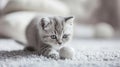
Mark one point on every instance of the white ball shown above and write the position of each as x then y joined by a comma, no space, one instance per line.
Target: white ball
67,53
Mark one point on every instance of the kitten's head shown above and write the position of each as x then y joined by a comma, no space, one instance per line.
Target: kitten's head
56,31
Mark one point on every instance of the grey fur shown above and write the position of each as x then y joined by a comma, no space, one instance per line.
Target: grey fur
40,30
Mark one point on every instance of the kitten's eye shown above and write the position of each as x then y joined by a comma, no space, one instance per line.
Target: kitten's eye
65,36
53,37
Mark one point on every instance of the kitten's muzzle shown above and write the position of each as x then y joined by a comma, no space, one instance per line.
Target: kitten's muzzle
60,43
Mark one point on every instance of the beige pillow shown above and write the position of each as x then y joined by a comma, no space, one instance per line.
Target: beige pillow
48,6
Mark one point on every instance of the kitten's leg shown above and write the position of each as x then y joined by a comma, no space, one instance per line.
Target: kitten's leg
47,52
29,48
31,36
51,53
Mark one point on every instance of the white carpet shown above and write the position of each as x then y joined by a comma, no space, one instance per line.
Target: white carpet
89,53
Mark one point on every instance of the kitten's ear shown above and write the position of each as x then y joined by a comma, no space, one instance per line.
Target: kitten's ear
45,23
69,19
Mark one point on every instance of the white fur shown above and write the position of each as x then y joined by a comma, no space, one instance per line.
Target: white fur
69,26
53,51
48,6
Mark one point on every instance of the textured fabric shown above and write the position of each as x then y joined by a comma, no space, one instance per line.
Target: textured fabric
89,53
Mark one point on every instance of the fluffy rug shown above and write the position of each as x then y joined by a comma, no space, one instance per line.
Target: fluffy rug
89,53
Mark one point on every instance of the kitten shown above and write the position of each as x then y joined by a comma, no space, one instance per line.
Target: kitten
48,34
39,32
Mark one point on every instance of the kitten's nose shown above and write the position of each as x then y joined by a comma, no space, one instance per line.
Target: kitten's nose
59,42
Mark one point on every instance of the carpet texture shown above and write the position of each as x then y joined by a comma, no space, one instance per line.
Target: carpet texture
89,53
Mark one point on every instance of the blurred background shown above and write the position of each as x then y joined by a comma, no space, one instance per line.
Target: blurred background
94,18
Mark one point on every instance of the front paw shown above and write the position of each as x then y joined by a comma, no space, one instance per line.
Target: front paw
53,54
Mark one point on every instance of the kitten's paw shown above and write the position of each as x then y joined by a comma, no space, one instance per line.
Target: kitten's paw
53,54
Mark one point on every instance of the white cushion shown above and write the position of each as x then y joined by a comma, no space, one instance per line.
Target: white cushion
48,6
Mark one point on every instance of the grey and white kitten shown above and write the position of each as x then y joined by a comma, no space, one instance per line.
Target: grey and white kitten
48,34
40,32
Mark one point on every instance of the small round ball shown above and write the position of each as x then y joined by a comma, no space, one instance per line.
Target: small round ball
67,53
